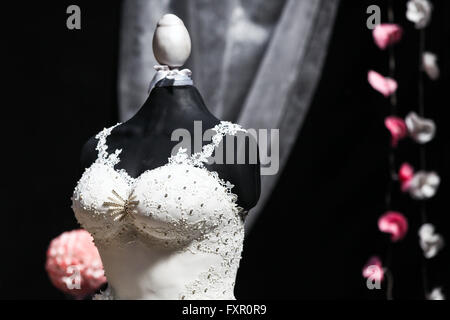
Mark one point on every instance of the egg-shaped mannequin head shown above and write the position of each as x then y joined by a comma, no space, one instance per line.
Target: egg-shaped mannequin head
171,42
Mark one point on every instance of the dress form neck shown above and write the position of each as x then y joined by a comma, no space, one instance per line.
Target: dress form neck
179,103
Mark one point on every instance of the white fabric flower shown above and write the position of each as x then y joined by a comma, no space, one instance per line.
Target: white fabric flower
430,242
420,129
436,294
430,66
424,185
419,12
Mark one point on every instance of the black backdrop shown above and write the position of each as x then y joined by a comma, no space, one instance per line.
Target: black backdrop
320,225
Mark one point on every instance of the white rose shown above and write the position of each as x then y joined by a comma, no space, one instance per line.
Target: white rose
430,242
420,129
424,185
430,66
419,12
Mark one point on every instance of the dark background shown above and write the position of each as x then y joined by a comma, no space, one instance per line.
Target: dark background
320,225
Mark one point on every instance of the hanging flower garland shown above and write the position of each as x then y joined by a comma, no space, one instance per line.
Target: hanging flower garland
424,184
386,35
420,185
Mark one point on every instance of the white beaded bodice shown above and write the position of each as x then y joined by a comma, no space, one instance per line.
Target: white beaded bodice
174,232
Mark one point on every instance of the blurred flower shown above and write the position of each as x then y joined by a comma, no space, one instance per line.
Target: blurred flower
420,129
424,185
405,175
374,269
436,294
74,265
386,86
419,12
394,223
397,128
386,34
430,242
430,66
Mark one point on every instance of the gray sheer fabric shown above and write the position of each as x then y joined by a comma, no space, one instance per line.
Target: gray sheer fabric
255,62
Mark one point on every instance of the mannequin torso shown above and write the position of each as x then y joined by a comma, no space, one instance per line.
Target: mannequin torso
167,230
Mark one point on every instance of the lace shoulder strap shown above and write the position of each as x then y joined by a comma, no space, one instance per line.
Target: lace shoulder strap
222,129
199,158
103,156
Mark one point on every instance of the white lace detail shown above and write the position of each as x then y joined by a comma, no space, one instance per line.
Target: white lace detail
181,207
176,77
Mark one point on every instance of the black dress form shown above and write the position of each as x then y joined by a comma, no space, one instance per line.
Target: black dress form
146,143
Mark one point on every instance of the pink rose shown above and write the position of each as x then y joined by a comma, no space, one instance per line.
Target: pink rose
405,175
374,269
397,128
386,86
394,223
386,34
74,265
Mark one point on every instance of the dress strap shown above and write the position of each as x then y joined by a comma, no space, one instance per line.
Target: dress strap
199,158
222,129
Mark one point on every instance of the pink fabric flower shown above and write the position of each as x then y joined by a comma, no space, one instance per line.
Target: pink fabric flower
405,175
386,86
74,265
394,223
374,269
397,128
386,34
